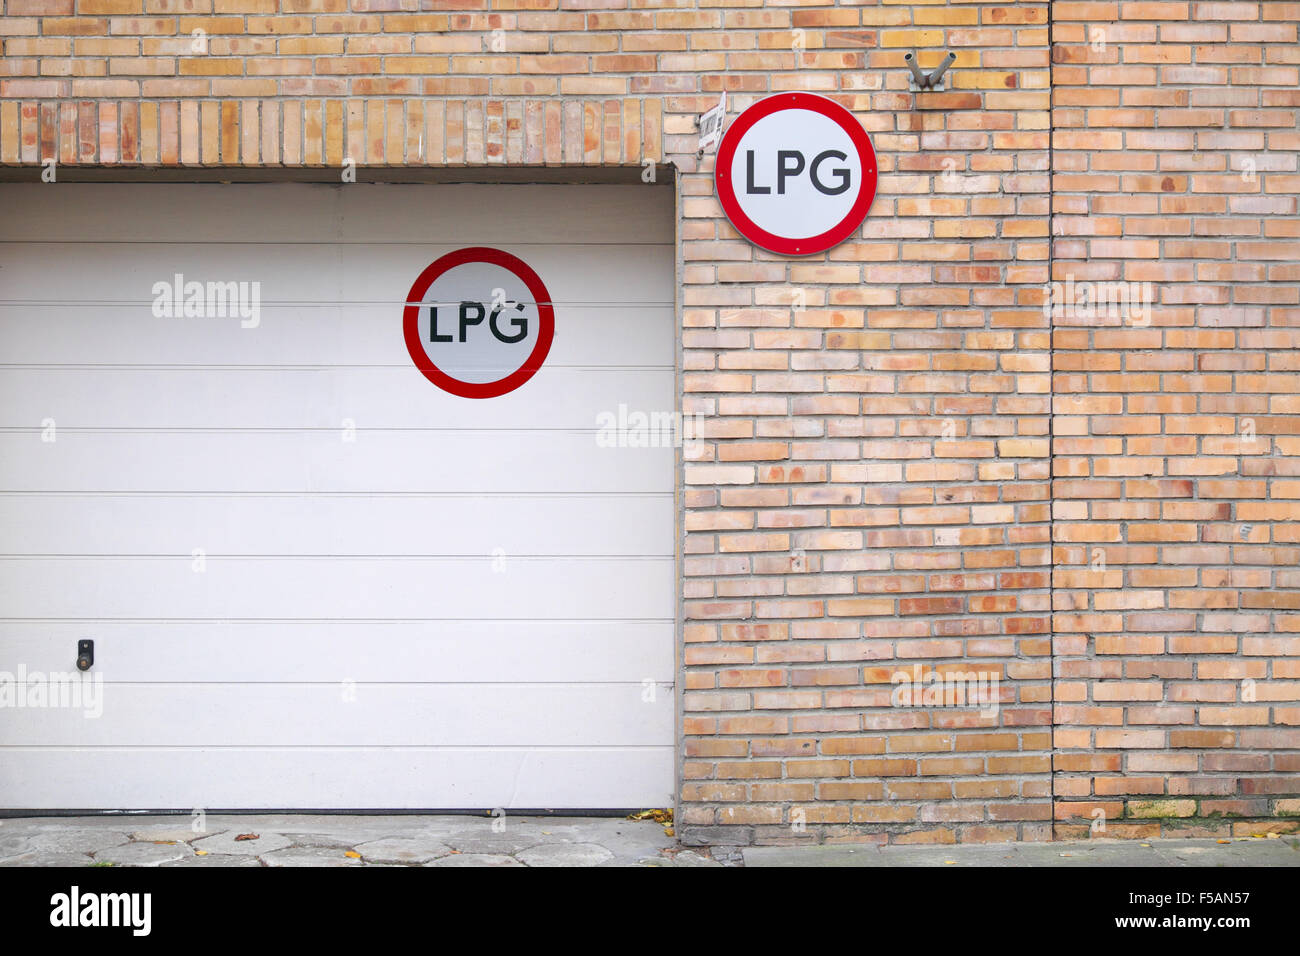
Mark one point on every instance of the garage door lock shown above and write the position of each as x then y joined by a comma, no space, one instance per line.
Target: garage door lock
85,655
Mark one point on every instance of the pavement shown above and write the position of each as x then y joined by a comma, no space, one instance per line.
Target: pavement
459,840
340,840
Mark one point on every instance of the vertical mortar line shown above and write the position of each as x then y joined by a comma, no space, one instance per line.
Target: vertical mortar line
1051,421
679,508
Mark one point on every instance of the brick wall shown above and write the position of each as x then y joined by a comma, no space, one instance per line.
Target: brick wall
876,501
874,497
1177,599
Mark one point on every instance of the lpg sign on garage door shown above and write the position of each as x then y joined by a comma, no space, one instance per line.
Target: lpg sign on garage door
478,322
796,173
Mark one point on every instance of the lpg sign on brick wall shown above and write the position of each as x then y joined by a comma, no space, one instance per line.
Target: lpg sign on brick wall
796,174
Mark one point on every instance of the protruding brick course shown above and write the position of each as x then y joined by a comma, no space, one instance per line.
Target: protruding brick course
378,132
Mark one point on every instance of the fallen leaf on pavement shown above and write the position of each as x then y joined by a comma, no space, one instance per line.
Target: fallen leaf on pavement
658,816
247,836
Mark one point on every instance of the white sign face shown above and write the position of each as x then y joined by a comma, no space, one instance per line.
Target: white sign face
478,322
787,185
796,173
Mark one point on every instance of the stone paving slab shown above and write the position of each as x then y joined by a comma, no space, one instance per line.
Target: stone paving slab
55,838
309,856
566,854
1283,851
402,850
476,859
49,859
144,854
222,861
241,842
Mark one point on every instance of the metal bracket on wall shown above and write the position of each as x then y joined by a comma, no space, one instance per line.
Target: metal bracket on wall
920,82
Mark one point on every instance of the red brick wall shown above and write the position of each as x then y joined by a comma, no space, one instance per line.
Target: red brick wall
873,494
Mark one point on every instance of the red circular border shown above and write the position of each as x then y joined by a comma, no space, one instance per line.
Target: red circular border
411,323
809,245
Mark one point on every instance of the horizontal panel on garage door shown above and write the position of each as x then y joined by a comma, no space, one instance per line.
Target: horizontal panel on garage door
337,778
629,335
521,461
316,398
467,651
313,578
466,214
350,715
312,588
337,524
311,273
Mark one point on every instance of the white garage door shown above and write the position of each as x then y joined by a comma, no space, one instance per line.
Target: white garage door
313,578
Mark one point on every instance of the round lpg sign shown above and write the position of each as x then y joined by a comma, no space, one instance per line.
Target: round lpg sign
478,322
796,173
